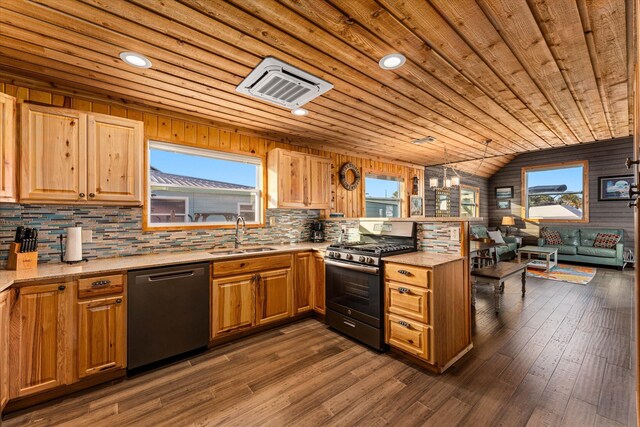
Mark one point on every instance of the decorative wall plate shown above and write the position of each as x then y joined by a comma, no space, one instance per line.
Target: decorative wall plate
343,176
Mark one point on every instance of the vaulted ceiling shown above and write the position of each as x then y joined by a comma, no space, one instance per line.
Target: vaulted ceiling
526,74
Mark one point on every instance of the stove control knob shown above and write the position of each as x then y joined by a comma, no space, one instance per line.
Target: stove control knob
332,254
336,255
361,258
349,256
369,260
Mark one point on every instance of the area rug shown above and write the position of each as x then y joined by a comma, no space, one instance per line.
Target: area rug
565,273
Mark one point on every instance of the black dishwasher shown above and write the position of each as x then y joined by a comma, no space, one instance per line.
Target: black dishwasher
168,312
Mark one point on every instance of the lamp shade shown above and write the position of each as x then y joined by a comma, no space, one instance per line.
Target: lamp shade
508,220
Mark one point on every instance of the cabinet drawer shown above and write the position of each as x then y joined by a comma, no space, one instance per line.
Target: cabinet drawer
418,276
409,301
247,265
410,336
101,285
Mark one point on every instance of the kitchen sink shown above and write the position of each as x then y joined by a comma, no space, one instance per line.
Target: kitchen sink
241,251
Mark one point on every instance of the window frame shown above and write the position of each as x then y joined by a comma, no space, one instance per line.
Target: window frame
563,165
223,155
476,191
387,176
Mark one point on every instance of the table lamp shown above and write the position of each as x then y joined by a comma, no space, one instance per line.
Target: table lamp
508,221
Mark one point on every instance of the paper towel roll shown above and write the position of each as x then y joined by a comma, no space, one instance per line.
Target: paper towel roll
73,250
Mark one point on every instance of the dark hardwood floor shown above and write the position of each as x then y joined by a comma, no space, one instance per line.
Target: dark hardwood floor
560,356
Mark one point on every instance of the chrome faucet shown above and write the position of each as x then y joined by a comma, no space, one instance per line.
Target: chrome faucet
244,230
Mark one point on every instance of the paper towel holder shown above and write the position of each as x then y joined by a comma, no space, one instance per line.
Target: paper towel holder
61,238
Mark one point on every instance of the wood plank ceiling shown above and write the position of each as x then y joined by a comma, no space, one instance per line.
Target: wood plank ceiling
526,74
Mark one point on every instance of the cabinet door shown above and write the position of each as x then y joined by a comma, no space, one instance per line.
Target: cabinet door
233,304
292,180
319,172
101,335
318,283
53,164
303,284
4,349
115,158
8,155
40,356
273,296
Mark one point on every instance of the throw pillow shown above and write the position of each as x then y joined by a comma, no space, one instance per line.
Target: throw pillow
551,237
607,241
496,236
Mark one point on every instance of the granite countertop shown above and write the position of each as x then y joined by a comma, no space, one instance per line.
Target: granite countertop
412,219
423,259
110,265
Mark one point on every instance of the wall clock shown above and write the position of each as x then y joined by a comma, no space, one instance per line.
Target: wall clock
344,170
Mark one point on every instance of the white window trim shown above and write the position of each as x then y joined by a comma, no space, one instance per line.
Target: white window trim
214,154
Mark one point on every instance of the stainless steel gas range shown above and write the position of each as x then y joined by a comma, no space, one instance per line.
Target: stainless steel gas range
355,279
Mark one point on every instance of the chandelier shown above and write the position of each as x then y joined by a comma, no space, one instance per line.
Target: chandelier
447,183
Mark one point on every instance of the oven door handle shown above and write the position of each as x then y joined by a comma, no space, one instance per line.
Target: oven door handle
354,267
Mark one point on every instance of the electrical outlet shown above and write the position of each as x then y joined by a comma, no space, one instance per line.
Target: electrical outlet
272,221
87,236
454,234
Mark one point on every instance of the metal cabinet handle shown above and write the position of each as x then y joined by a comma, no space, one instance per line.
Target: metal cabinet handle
62,287
99,283
632,204
81,194
119,301
92,195
404,272
403,290
405,324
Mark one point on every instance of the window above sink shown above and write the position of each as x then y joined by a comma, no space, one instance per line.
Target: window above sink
194,187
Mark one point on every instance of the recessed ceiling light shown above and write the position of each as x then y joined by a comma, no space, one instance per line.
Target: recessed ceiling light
135,59
299,112
392,61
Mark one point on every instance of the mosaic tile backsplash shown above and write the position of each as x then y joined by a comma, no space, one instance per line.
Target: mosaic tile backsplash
117,231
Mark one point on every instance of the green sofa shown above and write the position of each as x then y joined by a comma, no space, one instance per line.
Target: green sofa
504,252
577,245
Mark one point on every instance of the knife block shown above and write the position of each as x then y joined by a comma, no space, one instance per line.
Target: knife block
21,261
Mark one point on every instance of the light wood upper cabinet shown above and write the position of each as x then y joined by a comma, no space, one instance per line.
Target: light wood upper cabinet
101,335
318,283
8,149
53,154
273,296
298,180
115,156
302,287
69,156
319,172
233,306
41,338
4,349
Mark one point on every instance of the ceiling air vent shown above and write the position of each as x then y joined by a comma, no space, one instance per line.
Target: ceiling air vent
283,84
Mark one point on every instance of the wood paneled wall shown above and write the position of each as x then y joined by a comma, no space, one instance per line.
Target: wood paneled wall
605,159
196,132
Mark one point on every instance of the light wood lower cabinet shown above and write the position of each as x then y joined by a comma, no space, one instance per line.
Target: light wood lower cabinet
304,281
41,338
428,312
273,296
233,304
101,335
4,349
318,283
